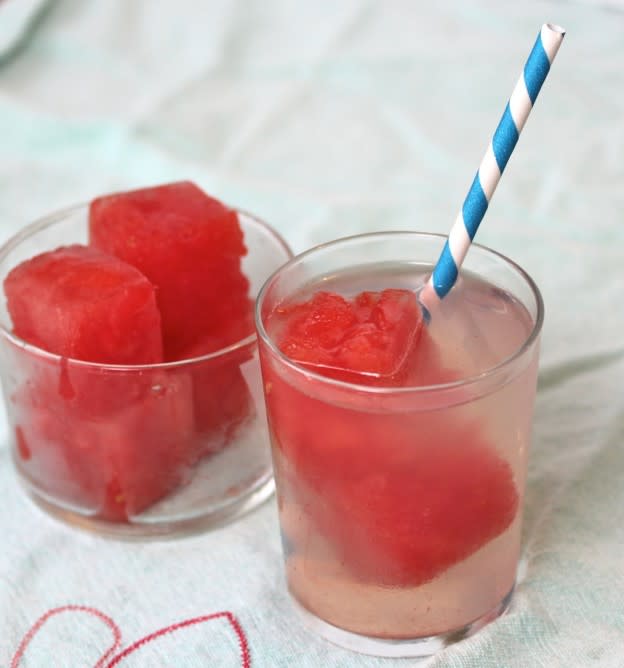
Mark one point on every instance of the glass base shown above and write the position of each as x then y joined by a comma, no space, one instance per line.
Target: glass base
386,647
182,525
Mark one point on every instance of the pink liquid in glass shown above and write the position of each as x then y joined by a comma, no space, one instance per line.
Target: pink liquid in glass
400,507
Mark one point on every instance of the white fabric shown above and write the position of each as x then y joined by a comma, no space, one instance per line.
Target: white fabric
329,119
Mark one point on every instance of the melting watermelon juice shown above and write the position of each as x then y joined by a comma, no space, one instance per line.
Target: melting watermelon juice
399,447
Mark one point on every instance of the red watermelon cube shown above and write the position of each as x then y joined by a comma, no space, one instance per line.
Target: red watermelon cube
112,459
400,497
78,302
369,335
404,519
189,246
112,441
222,401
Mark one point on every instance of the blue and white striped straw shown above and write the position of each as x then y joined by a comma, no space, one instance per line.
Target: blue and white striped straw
493,164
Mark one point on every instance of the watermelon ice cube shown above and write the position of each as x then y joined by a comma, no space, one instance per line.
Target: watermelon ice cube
401,498
412,517
78,302
371,334
189,246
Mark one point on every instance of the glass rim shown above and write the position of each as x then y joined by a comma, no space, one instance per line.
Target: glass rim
44,222
419,389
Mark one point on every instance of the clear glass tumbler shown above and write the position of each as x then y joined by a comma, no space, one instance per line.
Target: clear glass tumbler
145,450
400,507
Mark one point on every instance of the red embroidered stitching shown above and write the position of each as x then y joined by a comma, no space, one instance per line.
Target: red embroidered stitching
234,623
242,640
19,654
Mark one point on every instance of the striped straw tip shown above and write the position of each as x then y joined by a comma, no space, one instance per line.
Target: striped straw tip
555,28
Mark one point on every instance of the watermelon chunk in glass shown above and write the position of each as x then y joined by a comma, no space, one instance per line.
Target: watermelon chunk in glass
115,458
111,440
189,246
78,302
400,518
370,335
222,401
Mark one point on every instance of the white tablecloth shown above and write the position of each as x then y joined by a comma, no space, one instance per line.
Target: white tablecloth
329,119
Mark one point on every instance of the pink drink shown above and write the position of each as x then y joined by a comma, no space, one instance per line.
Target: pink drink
400,501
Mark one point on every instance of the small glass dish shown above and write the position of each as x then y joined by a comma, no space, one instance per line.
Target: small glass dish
146,450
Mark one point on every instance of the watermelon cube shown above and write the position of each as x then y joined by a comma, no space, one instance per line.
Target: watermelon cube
424,512
189,246
112,441
401,498
78,302
112,459
222,401
142,452
370,335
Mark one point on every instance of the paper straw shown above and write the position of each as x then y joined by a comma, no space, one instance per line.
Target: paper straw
493,164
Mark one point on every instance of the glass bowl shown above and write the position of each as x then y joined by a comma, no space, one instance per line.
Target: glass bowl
143,450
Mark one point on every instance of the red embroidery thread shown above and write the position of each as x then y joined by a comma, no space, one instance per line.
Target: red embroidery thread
19,654
242,640
234,623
